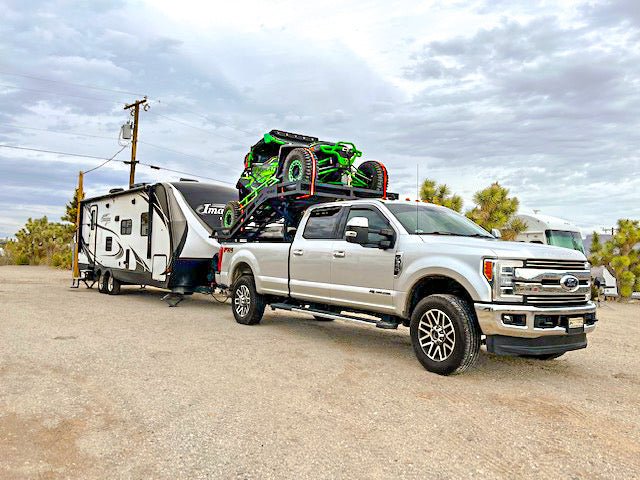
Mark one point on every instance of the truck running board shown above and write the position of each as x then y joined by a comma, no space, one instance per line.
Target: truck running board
334,316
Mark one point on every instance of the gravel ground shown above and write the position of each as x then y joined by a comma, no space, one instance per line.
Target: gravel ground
95,386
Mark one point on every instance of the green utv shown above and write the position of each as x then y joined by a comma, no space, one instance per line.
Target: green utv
283,157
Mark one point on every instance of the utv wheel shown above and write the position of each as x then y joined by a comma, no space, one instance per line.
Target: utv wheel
444,334
248,305
298,166
102,282
231,214
376,175
544,356
113,285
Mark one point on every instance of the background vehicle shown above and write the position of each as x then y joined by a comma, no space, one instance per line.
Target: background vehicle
281,157
550,231
421,266
151,235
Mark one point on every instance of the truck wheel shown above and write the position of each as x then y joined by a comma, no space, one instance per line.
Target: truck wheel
544,356
102,282
248,305
113,285
444,334
375,173
231,213
298,166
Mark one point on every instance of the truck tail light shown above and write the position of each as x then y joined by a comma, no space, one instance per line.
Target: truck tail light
220,252
487,269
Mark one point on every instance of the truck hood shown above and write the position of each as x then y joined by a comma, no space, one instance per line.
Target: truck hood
502,249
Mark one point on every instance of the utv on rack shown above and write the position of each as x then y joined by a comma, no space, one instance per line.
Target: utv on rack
283,157
286,202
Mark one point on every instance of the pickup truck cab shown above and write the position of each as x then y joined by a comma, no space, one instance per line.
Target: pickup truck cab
423,266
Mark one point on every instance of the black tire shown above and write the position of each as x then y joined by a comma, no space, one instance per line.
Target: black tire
545,356
442,351
376,175
298,166
102,282
113,285
247,304
231,214
323,319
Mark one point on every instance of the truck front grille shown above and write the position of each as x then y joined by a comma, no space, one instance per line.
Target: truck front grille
555,300
556,264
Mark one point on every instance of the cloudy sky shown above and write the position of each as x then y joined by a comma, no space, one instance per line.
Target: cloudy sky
542,96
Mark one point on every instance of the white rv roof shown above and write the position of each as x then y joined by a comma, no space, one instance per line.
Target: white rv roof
547,222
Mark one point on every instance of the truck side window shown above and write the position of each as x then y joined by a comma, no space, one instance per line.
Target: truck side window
322,223
377,221
144,224
125,227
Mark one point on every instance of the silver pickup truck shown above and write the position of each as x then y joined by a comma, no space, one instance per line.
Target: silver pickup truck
422,266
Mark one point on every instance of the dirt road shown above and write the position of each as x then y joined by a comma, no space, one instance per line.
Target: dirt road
98,386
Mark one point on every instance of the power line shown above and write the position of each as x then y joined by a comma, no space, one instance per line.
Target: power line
106,161
69,83
59,93
160,147
207,119
154,167
23,127
192,126
68,154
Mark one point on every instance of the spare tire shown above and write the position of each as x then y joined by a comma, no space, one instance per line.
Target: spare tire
376,175
231,214
298,166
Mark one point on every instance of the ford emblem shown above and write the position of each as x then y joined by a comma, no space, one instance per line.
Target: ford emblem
569,283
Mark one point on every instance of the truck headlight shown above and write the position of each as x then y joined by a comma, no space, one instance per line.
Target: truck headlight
501,276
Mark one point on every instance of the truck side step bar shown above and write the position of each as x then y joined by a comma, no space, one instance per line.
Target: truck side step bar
334,316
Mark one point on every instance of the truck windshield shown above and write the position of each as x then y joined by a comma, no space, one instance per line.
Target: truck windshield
565,238
421,219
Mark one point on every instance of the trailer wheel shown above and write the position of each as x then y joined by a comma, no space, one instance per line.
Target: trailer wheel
113,285
102,282
376,175
444,334
247,304
231,213
298,166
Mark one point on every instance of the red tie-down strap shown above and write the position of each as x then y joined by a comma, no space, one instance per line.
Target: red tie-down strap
385,180
312,190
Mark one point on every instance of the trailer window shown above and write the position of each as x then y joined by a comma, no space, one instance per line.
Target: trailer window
93,219
322,224
108,244
144,224
125,227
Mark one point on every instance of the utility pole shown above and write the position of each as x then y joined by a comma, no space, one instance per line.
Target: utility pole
134,142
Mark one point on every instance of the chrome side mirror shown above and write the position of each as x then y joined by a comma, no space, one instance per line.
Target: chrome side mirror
357,230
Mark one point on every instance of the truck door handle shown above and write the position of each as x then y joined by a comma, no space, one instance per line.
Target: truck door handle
298,252
338,254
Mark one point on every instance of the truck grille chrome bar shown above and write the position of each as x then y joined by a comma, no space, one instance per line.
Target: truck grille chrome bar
557,264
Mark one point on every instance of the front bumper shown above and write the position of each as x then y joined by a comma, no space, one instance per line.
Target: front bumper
490,319
501,345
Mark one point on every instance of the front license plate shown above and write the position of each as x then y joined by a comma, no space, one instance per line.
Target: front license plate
576,322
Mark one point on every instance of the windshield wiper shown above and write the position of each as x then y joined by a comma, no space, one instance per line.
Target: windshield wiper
480,235
438,233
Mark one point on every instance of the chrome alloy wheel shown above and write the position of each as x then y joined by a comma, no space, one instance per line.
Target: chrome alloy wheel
110,283
242,300
436,335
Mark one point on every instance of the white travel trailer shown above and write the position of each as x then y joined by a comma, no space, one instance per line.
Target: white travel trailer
550,231
157,235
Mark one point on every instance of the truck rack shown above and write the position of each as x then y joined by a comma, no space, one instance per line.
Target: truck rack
287,201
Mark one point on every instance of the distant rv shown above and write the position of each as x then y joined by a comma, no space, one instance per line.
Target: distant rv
157,235
550,231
